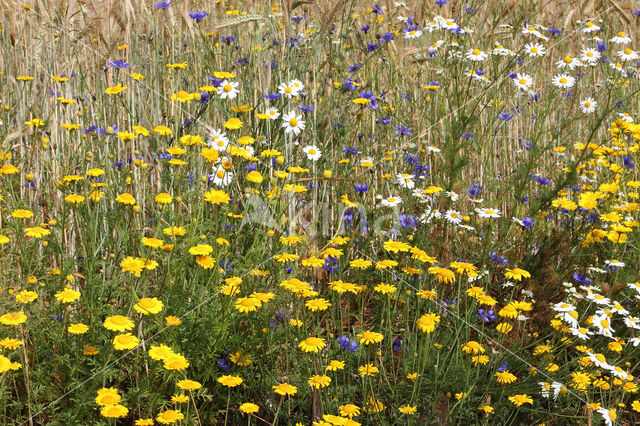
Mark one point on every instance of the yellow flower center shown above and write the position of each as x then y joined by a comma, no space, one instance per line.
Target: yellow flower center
312,151
590,54
621,34
522,81
293,122
589,24
220,174
476,51
567,59
563,80
587,104
534,50
288,89
227,88
627,51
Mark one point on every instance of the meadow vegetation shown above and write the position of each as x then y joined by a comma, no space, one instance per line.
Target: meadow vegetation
319,212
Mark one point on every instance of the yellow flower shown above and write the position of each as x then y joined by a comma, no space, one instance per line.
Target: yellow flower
249,408
13,318
179,399
505,377
118,323
162,130
368,370
518,400
189,385
114,90
368,337
472,347
503,327
169,416
318,304
517,274
68,295
77,328
134,265
125,341
114,411
254,176
175,362
427,322
233,124
285,389
312,344
22,214
160,352
11,344
408,409
317,381
163,198
26,296
108,396
349,410
126,198
217,196
335,365
385,288
172,320
148,306
36,232
247,304
201,250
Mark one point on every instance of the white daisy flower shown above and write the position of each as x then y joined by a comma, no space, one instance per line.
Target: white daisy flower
632,322
313,153
590,27
391,201
621,38
453,196
569,62
603,324
476,55
487,213
453,216
412,34
626,117
581,333
293,123
406,180
628,54
588,105
563,81
287,90
218,140
534,50
221,176
523,81
228,89
590,56
273,113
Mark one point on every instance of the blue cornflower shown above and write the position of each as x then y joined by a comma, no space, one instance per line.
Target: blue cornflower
486,315
118,63
384,120
198,16
162,4
307,108
372,46
474,190
505,116
407,221
468,135
376,9
527,222
361,187
354,67
403,130
365,28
